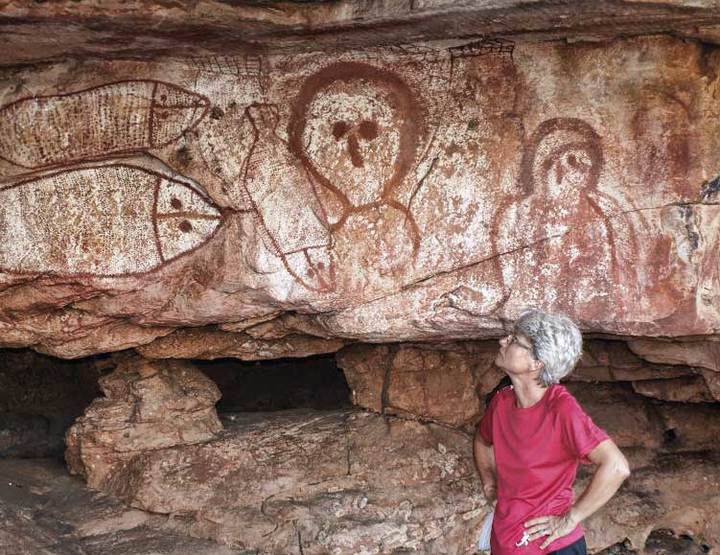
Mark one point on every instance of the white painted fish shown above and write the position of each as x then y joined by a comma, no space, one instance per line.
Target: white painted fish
109,220
115,118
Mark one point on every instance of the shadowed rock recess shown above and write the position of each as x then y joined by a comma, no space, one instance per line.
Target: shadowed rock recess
255,258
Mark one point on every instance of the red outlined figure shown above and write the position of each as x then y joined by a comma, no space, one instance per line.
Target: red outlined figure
561,247
289,215
357,129
116,118
105,220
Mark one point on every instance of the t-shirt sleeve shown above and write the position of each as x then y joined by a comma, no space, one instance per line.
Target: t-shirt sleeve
486,422
580,434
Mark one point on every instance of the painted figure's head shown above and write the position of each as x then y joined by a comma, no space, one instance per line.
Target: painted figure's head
564,155
549,344
355,127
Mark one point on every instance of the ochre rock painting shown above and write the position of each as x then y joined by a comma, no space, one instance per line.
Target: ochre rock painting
398,193
287,209
113,219
122,117
356,128
562,222
110,220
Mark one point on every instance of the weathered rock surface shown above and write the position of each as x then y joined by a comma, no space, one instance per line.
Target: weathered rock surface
122,28
443,383
284,204
43,511
147,406
448,382
356,482
676,492
316,482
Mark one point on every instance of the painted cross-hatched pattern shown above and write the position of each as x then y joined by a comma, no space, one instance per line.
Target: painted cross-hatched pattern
108,220
115,118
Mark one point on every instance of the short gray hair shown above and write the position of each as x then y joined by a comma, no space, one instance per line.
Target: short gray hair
556,342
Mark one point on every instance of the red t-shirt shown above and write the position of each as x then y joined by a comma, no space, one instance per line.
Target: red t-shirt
537,452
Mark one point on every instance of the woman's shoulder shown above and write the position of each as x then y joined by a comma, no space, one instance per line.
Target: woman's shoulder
499,391
561,400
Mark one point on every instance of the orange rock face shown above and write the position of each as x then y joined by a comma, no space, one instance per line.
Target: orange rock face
429,191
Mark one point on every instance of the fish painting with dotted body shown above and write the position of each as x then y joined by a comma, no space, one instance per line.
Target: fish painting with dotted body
106,220
91,124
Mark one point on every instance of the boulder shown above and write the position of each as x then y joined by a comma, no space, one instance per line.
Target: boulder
148,405
318,482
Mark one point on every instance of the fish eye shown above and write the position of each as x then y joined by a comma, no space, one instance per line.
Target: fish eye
176,203
185,226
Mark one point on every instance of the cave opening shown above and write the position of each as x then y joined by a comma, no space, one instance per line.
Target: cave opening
41,395
313,382
40,398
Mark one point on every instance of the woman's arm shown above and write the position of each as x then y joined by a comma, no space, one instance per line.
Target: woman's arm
612,471
484,456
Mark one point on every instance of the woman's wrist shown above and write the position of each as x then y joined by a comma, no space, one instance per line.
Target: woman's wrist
574,516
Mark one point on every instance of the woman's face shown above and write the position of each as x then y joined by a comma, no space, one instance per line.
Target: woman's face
515,355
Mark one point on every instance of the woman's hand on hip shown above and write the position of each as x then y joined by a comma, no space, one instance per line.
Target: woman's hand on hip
554,527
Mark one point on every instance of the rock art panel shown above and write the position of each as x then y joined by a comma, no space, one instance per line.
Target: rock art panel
110,220
561,224
356,128
397,193
285,203
114,118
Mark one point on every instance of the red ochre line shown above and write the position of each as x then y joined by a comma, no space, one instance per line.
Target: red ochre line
75,167
151,117
111,83
194,105
195,215
156,194
326,245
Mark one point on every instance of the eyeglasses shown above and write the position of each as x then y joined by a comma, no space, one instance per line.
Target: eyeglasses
514,339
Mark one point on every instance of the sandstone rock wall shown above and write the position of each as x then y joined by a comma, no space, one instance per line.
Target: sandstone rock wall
448,383
428,191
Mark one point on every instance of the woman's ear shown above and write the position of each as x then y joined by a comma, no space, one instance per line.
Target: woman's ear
538,365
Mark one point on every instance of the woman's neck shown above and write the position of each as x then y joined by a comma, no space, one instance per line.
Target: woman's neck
527,391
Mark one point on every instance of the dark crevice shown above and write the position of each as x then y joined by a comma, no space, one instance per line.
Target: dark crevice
273,385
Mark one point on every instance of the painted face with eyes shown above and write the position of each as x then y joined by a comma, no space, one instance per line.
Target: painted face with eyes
352,139
567,158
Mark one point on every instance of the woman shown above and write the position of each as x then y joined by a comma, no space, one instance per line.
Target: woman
533,436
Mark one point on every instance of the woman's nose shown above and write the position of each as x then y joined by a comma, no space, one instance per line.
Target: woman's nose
504,340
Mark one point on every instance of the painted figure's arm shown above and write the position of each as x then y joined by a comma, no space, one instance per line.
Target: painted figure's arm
485,463
612,471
